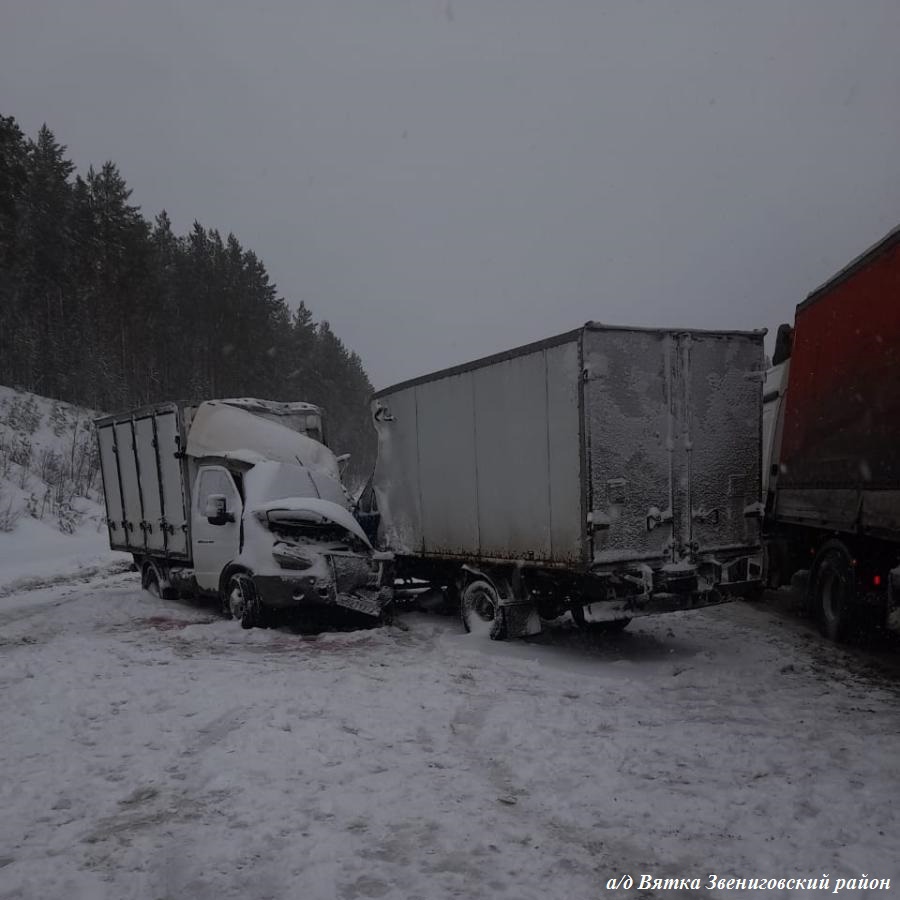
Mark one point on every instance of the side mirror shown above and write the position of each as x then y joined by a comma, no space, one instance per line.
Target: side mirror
217,510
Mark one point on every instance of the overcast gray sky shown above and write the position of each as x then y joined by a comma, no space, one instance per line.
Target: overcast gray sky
444,179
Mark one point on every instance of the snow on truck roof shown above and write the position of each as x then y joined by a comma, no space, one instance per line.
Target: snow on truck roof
546,344
271,406
220,428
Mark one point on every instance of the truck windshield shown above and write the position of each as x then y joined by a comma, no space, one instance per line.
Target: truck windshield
275,481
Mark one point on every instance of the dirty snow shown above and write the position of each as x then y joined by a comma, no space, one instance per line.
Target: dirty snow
151,749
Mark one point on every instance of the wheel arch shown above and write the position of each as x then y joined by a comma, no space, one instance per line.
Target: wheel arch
233,568
497,577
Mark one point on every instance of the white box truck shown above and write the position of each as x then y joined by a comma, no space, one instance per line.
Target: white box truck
239,499
610,472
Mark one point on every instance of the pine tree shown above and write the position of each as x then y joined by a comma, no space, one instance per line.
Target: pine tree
13,179
100,308
45,226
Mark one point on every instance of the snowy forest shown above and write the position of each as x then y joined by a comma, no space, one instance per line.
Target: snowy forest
102,308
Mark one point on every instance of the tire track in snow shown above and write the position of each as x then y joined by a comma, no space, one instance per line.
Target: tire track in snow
24,585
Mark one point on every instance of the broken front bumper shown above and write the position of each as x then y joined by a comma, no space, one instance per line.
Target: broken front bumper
348,582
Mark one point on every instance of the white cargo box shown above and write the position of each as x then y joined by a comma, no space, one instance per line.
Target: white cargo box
601,446
145,481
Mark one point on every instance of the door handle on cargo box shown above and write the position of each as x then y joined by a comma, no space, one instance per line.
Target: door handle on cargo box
655,517
706,515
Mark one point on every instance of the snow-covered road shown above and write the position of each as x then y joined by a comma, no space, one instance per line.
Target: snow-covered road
150,749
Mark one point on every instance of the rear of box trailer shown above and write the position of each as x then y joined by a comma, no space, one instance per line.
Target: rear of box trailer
673,438
600,449
145,482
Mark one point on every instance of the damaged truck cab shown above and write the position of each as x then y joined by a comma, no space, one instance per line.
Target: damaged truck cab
239,499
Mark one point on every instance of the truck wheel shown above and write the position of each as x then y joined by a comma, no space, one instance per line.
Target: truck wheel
479,608
833,590
150,583
243,601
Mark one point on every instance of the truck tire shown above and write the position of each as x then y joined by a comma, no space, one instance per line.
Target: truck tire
243,601
833,590
479,607
150,582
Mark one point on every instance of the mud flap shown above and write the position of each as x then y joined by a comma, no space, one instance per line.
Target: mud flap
521,620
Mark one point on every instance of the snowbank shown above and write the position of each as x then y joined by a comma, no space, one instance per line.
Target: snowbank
51,507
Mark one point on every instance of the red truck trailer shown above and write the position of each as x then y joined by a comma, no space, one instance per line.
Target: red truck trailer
833,502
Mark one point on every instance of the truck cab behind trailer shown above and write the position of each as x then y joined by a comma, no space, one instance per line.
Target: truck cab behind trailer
610,472
237,499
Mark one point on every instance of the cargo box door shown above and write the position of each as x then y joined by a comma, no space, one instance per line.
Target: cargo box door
723,428
150,483
175,496
629,414
115,513
128,479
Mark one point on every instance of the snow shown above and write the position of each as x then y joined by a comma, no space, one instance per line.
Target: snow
152,749
52,420
268,481
300,509
37,549
37,552
221,430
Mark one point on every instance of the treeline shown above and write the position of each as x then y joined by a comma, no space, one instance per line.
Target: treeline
101,308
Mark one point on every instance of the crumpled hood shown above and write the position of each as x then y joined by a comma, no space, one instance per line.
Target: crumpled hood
304,509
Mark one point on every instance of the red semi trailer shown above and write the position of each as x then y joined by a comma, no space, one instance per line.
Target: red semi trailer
833,500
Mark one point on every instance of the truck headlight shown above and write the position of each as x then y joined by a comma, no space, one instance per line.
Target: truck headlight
291,558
